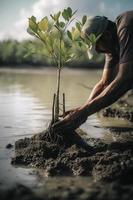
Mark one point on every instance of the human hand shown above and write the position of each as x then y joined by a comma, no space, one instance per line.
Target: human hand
73,119
69,111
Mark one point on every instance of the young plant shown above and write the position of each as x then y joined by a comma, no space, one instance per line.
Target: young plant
58,41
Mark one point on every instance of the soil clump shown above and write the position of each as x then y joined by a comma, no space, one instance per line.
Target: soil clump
109,165
123,108
71,155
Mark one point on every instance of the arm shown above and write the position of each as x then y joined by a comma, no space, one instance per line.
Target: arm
122,83
107,76
113,91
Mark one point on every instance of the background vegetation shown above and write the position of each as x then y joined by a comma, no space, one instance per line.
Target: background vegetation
31,52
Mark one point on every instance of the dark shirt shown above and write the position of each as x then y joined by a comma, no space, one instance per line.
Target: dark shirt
124,24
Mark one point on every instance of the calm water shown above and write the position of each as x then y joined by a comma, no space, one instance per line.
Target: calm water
25,109
26,98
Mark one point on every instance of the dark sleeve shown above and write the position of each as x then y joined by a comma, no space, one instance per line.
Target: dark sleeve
126,45
111,60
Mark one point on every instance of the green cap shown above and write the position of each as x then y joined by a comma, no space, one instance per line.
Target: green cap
95,25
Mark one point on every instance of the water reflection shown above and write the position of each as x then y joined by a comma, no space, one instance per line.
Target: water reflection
25,109
25,98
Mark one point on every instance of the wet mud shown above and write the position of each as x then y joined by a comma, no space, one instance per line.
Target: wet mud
109,165
122,109
74,156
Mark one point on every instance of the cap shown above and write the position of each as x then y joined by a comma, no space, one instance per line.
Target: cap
95,25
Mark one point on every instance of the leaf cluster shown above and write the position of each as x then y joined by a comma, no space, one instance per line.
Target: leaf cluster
54,31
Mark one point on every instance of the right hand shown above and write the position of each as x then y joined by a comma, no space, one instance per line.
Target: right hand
72,119
69,112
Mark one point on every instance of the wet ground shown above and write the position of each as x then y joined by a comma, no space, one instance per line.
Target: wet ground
105,168
94,170
98,168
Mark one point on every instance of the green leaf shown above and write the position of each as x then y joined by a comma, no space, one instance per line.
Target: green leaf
56,16
33,25
33,18
80,44
52,16
69,12
75,34
69,34
84,19
30,32
43,24
49,40
92,38
65,15
78,26
62,24
43,36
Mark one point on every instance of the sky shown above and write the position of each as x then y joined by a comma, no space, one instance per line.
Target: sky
14,14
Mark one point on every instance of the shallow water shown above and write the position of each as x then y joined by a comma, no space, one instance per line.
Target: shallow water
25,109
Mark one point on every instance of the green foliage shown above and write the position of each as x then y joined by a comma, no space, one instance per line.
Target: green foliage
43,24
53,39
54,32
57,47
84,18
69,34
32,24
67,14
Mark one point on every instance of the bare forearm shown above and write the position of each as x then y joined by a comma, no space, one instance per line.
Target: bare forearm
95,91
109,95
107,77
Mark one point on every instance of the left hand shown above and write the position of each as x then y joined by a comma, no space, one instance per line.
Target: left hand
71,121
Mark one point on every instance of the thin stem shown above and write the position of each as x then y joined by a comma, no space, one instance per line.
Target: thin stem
63,104
53,109
57,95
58,82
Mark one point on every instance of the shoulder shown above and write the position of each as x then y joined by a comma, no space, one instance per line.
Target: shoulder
124,20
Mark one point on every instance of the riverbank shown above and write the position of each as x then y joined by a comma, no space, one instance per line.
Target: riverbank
123,108
101,169
108,166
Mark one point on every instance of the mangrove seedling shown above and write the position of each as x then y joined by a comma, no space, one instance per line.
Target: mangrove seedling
58,40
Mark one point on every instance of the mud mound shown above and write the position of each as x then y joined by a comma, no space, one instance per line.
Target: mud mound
71,155
55,155
114,112
123,108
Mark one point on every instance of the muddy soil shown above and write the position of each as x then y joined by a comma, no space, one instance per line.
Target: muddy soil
122,109
94,169
74,156
109,165
105,170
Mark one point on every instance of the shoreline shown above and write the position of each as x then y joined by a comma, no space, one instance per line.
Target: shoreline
38,68
116,158
47,70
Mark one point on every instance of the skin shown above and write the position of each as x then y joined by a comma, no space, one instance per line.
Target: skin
114,82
